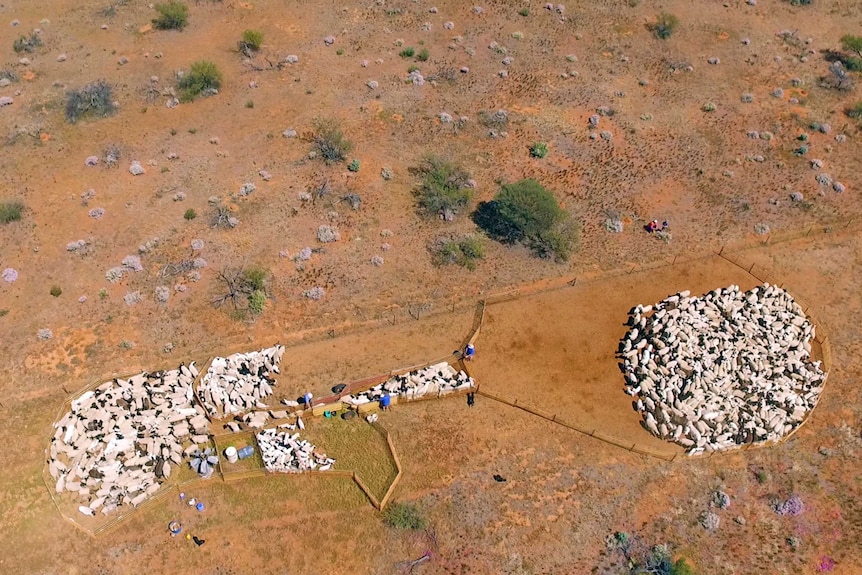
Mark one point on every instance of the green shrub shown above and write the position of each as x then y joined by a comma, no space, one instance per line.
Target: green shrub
464,252
56,291
855,111
190,214
172,16
27,43
412,68
525,212
681,567
255,278
404,516
852,63
852,43
330,140
444,187
664,25
256,302
353,166
524,12
202,78
95,99
10,212
251,41
539,150
407,52
249,104
423,55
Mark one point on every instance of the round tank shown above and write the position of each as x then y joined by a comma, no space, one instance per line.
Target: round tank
231,455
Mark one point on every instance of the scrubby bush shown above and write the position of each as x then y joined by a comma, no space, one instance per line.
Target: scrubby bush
855,111
255,277
330,140
256,302
525,212
172,16
524,12
465,251
56,291
251,41
852,43
95,99
190,214
539,150
10,211
407,52
423,55
404,516
202,79
27,43
444,189
664,25
353,166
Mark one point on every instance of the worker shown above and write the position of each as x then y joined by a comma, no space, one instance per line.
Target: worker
469,352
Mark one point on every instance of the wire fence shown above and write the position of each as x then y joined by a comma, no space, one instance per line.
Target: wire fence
238,340
821,349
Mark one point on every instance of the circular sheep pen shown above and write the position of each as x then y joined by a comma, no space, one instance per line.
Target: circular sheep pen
728,369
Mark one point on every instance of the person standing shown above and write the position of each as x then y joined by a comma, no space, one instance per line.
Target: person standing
469,352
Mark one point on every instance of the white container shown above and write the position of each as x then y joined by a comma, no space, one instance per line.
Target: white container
230,454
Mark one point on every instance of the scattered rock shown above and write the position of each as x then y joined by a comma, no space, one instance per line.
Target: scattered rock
329,40
136,169
289,133
372,84
61,57
6,101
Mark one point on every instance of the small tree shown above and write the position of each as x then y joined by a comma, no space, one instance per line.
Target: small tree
172,16
245,287
444,189
251,41
330,140
202,79
525,212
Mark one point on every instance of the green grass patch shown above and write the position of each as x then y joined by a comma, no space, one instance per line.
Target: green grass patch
356,446
407,52
404,516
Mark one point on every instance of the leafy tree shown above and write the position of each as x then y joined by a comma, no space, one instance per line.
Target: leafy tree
525,212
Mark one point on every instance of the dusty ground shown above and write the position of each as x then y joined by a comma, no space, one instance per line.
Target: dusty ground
666,159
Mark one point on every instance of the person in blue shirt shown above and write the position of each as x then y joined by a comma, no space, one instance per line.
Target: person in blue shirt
469,352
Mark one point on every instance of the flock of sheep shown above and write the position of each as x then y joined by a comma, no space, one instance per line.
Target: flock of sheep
723,370
239,382
119,441
437,379
286,453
